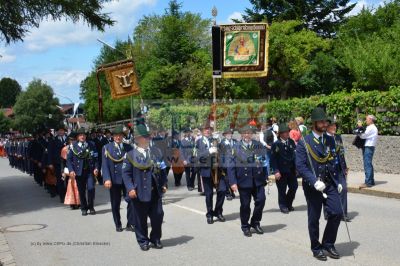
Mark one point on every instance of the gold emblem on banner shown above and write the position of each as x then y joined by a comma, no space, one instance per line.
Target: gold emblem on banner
121,76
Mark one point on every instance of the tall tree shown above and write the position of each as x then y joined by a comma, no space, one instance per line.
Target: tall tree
37,108
368,46
18,16
9,90
321,16
5,123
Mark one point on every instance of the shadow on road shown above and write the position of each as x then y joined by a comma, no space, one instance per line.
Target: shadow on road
171,242
296,208
273,228
352,215
347,249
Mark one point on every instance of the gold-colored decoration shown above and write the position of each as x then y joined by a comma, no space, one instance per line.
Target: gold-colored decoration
122,78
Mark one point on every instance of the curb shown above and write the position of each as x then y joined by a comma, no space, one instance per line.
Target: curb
6,257
357,190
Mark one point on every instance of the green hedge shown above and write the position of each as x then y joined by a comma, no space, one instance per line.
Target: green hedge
347,107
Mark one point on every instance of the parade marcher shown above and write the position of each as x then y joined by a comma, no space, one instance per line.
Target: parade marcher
300,123
200,187
341,163
2,148
207,149
295,132
247,175
177,164
145,179
112,157
72,192
49,172
186,152
371,136
162,142
226,151
55,160
284,168
316,164
82,163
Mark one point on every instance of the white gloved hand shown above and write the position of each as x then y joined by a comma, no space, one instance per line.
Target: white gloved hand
212,150
319,185
340,188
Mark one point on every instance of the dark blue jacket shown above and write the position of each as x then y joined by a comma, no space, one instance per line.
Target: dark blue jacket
325,153
204,159
283,157
54,150
112,159
246,166
342,165
225,151
187,150
144,174
78,158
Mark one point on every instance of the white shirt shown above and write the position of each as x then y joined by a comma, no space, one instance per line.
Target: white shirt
262,139
370,135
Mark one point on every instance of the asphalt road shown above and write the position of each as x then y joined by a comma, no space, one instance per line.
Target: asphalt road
52,234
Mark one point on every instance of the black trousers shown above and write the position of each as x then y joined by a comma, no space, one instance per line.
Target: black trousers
143,210
190,175
315,202
286,196
61,190
85,183
209,193
258,194
116,192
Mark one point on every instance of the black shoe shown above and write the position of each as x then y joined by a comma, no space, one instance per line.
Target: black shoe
229,197
145,247
320,256
221,218
332,253
291,209
92,211
157,244
210,220
247,232
177,184
84,212
119,229
130,227
285,210
258,229
202,194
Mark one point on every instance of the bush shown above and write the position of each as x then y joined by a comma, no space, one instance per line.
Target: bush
347,107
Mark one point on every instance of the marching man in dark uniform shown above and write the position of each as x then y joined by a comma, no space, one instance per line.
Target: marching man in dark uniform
316,164
145,179
186,151
54,160
82,163
341,163
247,175
207,150
226,151
284,168
111,168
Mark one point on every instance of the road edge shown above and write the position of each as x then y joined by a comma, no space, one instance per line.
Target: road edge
6,256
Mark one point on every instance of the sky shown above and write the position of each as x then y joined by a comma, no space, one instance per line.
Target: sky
62,53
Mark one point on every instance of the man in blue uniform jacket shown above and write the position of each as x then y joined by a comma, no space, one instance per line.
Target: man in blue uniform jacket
225,153
340,163
82,163
186,151
207,149
145,179
247,175
112,158
54,160
284,168
316,164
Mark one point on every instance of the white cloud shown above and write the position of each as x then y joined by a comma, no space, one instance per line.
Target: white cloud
58,33
5,57
235,15
359,6
61,78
